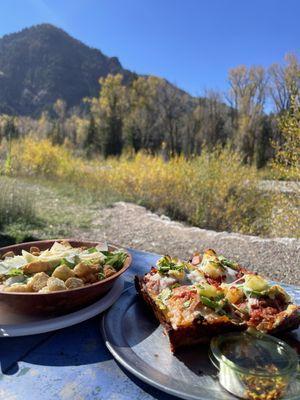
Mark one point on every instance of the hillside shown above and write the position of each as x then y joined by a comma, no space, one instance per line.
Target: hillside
40,64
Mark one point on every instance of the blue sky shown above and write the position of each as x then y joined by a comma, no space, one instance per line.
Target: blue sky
192,43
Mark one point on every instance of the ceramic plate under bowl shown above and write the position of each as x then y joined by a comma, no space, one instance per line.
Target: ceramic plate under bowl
13,324
65,301
136,340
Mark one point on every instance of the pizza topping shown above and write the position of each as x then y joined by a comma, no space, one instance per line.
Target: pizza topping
234,294
242,310
255,284
217,269
187,303
183,306
278,293
262,314
210,303
196,259
155,283
227,263
167,264
176,274
209,291
213,287
196,276
212,269
215,281
214,298
162,298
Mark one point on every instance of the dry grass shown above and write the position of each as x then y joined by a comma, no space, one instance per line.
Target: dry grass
16,204
213,191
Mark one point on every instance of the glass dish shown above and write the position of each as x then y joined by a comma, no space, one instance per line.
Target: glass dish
256,366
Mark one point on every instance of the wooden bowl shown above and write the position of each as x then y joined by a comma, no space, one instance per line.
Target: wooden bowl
62,302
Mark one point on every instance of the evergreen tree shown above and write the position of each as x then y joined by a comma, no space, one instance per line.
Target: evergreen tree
92,142
10,130
111,136
263,142
57,135
109,110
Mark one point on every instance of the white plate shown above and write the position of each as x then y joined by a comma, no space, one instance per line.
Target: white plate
20,325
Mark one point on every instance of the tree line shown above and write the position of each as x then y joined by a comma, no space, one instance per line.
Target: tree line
153,115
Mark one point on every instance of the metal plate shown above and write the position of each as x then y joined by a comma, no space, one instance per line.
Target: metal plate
14,324
137,342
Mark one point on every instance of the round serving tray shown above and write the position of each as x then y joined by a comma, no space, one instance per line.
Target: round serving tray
14,324
137,342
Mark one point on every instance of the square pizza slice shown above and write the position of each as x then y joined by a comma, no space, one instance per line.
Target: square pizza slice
210,295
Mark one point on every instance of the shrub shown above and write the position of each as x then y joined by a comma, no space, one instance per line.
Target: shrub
287,157
286,165
214,190
41,158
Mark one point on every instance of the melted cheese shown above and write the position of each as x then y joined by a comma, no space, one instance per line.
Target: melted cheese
182,306
196,276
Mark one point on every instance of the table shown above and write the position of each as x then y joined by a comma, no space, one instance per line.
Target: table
72,363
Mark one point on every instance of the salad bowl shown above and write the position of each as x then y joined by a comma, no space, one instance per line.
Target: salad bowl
63,301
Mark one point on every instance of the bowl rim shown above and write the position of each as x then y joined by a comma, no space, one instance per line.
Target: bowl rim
126,265
217,357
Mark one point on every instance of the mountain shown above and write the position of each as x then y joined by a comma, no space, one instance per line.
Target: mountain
40,64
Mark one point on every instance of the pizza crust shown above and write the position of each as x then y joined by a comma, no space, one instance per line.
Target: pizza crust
202,330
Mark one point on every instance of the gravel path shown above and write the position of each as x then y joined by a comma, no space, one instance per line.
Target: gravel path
134,226
287,187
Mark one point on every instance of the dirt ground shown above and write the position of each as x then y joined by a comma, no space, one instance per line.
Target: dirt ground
134,226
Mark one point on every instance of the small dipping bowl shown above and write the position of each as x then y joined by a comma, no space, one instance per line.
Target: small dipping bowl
256,366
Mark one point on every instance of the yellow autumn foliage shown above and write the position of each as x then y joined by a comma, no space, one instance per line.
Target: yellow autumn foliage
35,157
214,190
286,165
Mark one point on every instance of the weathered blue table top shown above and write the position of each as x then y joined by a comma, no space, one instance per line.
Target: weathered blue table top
73,363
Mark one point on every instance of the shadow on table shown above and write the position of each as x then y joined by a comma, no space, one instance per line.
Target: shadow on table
152,391
197,360
7,240
80,344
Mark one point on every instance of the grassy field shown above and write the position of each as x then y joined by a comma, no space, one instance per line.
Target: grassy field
59,192
53,210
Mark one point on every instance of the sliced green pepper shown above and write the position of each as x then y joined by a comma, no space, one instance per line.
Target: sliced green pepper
217,306
187,303
227,263
209,303
166,263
